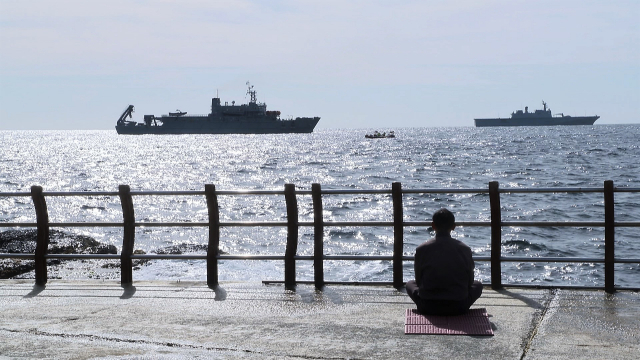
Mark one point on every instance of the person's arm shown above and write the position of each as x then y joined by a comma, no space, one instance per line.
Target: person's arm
416,268
472,266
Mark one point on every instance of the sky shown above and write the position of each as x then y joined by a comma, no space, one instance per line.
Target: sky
75,64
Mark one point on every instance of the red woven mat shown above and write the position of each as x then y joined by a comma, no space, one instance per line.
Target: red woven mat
474,322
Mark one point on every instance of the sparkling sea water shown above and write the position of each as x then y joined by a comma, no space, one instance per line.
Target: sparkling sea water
419,158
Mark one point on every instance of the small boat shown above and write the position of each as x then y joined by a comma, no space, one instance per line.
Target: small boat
177,113
378,135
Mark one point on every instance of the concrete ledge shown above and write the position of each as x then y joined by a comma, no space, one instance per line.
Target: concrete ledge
88,319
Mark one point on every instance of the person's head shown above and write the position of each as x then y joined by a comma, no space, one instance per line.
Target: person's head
443,221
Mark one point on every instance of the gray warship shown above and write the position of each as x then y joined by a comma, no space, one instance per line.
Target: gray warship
538,118
251,118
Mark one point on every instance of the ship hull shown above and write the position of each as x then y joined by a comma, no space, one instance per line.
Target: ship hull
214,125
533,121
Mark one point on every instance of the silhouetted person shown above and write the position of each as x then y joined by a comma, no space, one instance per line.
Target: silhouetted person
444,282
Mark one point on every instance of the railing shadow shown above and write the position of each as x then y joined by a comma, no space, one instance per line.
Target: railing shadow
37,289
129,290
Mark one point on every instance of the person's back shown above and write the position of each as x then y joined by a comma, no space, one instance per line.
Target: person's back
444,266
444,269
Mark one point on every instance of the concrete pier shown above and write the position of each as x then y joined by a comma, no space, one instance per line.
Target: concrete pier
159,319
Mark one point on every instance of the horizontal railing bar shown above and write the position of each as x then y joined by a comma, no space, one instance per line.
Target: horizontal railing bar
170,256
324,192
250,257
617,189
627,261
254,223
354,223
552,259
86,224
445,191
553,223
458,223
358,257
249,192
80,193
83,256
170,224
627,223
17,256
17,194
18,224
551,190
159,192
328,223
308,257
354,191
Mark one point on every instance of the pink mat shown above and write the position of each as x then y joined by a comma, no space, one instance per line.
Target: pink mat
474,322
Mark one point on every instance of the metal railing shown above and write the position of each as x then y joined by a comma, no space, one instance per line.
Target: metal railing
292,224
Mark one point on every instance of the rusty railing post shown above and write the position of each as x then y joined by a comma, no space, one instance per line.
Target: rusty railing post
42,238
496,235
214,235
609,238
292,236
129,233
398,234
318,236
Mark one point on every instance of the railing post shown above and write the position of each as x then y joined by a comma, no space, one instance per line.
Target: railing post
398,234
292,236
318,236
42,239
129,230
214,235
496,235
609,238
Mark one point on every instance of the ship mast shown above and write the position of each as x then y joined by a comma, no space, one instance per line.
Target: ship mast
252,93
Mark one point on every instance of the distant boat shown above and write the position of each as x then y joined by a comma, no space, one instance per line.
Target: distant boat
379,135
251,118
538,118
177,113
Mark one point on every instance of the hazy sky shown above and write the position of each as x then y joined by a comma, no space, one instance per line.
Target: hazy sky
356,64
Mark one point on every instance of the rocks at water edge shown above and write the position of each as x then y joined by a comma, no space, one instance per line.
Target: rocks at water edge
60,242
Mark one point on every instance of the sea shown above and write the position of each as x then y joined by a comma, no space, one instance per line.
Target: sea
338,159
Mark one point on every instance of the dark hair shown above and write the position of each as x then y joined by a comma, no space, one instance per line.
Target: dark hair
444,220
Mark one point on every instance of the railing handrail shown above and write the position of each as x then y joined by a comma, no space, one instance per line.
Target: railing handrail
331,191
292,223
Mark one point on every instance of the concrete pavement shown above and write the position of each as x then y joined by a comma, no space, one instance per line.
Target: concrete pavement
160,319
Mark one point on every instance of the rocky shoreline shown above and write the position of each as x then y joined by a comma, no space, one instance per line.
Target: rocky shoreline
60,242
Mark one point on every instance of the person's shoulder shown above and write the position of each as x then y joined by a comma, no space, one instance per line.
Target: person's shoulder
460,244
426,244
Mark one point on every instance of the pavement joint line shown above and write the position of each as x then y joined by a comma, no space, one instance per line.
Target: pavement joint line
132,341
537,321
162,344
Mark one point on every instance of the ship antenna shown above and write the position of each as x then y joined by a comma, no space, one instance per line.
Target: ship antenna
252,93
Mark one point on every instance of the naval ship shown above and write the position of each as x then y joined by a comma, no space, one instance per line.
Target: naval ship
538,118
251,118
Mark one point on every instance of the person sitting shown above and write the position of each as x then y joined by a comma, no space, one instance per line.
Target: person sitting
444,283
